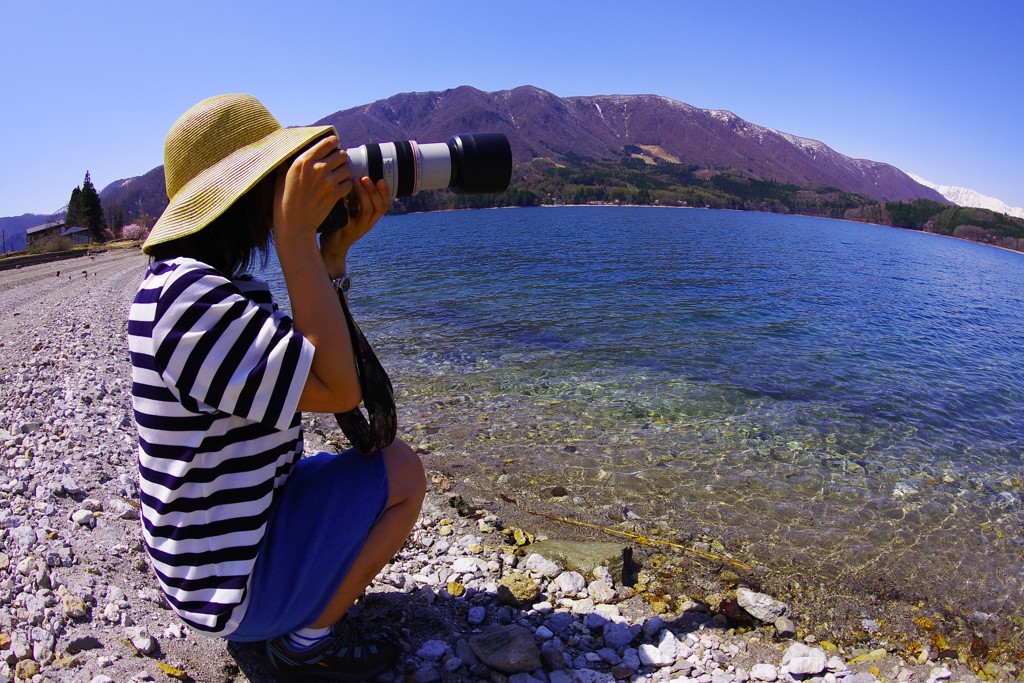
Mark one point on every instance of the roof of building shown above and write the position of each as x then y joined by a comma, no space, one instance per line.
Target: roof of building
40,228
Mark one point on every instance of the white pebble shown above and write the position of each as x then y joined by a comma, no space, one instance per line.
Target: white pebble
652,656
570,583
763,672
83,517
542,565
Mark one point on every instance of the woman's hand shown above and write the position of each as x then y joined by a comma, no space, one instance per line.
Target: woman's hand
366,205
305,192
307,189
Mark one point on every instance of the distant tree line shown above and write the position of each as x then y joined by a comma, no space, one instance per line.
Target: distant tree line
977,225
922,214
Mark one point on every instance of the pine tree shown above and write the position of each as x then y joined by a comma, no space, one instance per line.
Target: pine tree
74,216
92,209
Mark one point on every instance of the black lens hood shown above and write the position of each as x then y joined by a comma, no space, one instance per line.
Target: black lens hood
481,163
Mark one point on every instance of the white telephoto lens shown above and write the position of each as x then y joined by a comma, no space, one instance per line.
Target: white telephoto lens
434,160
406,166
358,162
390,167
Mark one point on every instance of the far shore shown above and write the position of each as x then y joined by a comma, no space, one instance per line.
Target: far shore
24,258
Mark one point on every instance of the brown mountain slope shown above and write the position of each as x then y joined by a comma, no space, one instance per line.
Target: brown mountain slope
542,125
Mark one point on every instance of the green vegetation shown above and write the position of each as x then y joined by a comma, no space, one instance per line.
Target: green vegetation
922,214
977,225
913,215
635,181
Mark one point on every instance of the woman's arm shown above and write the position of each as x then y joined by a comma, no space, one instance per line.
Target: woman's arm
305,193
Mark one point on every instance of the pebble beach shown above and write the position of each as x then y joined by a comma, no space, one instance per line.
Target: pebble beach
473,596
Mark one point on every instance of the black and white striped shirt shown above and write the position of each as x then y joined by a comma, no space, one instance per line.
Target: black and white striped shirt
217,372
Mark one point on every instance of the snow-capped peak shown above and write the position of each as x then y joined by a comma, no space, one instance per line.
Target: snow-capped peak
962,196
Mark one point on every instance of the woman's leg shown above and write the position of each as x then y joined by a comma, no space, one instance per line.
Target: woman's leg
407,486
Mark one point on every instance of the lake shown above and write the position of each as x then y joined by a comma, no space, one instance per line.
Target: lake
837,399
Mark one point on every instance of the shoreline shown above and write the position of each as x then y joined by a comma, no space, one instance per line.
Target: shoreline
80,601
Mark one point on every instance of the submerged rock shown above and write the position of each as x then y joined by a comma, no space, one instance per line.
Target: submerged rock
784,627
762,607
508,649
584,556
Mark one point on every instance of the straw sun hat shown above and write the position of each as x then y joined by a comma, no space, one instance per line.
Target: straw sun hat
216,152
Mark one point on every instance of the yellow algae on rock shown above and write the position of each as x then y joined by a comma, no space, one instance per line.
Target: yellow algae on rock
171,671
925,623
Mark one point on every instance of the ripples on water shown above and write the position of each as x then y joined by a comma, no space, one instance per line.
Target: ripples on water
845,394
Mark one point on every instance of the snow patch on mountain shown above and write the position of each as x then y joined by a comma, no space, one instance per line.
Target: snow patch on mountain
962,196
808,145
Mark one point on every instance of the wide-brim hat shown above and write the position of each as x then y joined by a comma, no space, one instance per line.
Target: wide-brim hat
216,152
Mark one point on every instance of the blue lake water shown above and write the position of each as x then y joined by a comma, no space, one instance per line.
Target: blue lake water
826,396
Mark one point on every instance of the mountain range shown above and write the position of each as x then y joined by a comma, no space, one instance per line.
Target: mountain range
568,130
541,125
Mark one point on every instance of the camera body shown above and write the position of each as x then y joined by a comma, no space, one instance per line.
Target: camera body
469,163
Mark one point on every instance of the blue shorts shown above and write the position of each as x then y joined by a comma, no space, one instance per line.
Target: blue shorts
318,524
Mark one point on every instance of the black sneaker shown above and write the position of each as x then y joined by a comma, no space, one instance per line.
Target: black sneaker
348,654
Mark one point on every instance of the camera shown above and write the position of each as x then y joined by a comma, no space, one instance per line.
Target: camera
469,163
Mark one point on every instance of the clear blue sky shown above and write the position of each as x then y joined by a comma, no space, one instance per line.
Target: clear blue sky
931,86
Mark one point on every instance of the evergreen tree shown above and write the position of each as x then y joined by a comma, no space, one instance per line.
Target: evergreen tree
75,213
92,209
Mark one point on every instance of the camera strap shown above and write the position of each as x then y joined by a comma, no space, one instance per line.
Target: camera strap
368,437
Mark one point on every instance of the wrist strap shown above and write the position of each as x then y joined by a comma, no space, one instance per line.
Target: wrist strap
368,437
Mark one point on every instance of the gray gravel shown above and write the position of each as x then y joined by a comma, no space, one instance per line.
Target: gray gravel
80,604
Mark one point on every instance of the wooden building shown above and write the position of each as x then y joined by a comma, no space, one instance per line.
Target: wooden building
77,234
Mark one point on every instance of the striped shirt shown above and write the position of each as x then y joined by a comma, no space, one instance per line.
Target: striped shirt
217,371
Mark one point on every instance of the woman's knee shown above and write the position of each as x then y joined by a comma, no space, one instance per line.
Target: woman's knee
406,477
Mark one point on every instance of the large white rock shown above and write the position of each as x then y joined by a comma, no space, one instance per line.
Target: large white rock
652,656
469,565
764,672
542,565
570,583
663,654
803,660
762,607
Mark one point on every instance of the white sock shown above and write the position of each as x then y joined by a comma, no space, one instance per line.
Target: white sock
306,638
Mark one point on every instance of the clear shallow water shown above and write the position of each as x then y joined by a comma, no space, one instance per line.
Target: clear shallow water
842,399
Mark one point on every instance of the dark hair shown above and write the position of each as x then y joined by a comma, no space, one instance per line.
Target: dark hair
234,241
